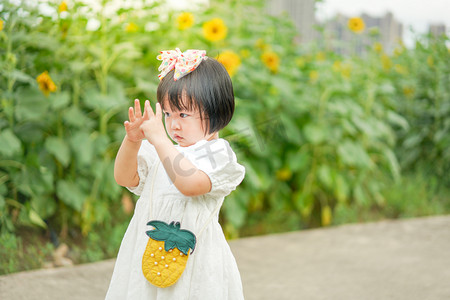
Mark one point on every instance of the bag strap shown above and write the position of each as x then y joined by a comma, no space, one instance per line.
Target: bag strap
151,190
216,210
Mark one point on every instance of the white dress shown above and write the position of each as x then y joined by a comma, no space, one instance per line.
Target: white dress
211,271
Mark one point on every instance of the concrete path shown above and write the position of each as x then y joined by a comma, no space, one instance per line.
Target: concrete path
405,259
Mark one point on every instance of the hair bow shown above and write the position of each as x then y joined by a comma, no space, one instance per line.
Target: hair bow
183,62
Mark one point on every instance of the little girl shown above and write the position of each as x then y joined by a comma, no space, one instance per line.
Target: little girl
184,183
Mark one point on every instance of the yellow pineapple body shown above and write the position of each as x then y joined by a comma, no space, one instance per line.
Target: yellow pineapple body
160,267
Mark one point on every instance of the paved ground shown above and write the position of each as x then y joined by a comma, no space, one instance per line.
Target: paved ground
408,259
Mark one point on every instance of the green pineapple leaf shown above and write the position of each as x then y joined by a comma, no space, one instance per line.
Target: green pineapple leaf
172,236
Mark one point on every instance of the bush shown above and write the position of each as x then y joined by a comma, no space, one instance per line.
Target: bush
321,135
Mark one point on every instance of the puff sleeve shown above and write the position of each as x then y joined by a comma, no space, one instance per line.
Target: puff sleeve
146,158
218,161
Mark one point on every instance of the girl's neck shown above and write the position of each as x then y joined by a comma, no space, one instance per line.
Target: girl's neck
213,137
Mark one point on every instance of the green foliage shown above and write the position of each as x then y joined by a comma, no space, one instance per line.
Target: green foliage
324,137
17,255
423,98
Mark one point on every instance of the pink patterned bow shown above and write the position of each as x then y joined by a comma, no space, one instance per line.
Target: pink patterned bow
183,62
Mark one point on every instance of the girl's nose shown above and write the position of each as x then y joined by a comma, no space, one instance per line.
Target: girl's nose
175,125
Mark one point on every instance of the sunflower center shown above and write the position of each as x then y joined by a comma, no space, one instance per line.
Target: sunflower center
45,85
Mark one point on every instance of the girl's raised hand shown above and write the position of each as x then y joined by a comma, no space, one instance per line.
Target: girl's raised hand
153,128
136,119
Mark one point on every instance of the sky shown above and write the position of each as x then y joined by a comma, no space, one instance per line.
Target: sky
417,14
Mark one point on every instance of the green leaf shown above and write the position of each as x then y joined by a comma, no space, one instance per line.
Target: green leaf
325,176
22,77
360,195
176,237
353,154
59,149
298,160
341,189
234,211
315,133
71,194
75,117
393,163
77,66
304,202
36,219
82,147
59,100
10,144
290,130
31,105
364,126
397,119
43,205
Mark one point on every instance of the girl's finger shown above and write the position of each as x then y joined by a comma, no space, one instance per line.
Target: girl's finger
137,108
149,109
145,116
131,114
158,111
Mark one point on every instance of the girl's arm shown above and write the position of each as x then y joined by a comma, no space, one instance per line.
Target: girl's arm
189,180
125,166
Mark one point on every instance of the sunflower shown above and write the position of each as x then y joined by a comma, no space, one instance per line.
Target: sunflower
356,25
185,20
260,44
230,61
300,62
131,27
430,61
378,47
326,215
320,56
245,53
400,69
336,67
46,84
283,174
313,76
1,24
346,70
215,30
386,62
63,6
408,91
271,60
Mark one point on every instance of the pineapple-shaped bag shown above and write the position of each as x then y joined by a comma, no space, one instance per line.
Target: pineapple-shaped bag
167,251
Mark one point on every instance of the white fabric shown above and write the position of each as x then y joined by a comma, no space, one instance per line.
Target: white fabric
211,271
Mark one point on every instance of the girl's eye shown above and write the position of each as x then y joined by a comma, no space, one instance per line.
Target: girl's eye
167,114
183,115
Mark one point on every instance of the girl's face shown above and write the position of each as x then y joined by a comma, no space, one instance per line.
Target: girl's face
185,127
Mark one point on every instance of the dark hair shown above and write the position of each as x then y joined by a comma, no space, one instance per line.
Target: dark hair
207,89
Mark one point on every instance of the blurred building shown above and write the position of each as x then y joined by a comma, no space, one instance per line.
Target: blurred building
385,30
437,30
302,13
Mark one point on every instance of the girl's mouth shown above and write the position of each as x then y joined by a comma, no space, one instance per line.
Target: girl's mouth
177,137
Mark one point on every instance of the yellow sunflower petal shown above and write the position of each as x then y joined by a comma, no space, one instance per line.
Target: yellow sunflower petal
185,20
215,30
230,61
46,84
271,60
356,24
